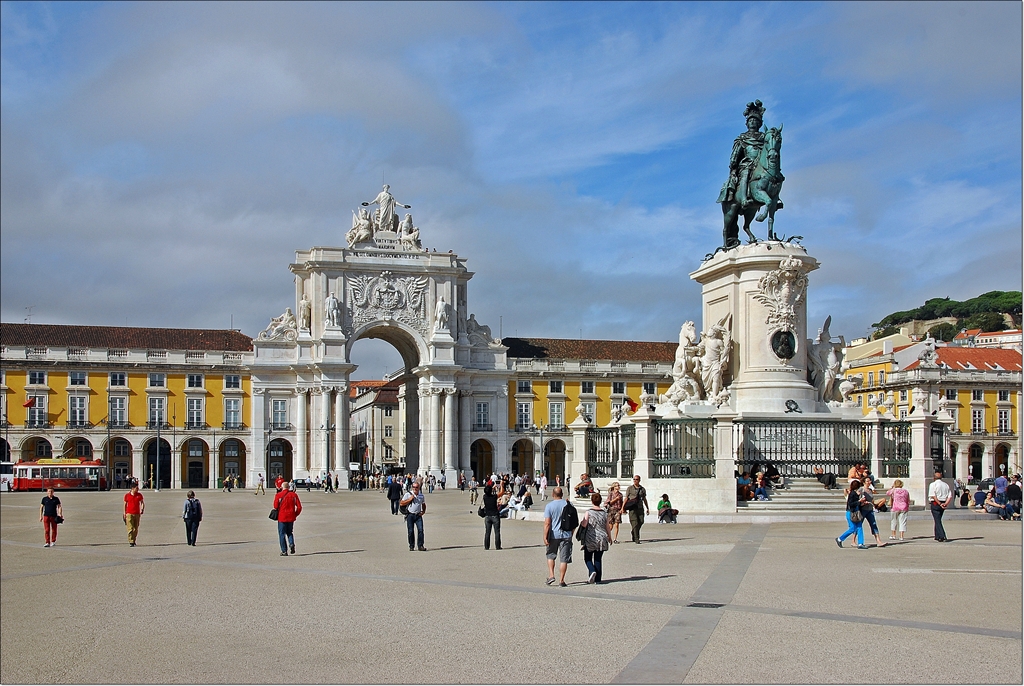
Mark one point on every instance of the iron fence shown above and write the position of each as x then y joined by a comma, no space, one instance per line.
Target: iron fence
627,450
602,452
683,448
796,447
896,449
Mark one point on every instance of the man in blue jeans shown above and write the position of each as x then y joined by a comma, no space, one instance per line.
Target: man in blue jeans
417,507
558,543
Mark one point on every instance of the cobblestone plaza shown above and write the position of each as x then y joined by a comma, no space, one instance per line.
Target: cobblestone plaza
704,603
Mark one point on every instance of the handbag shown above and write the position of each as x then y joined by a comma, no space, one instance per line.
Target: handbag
273,514
59,519
481,512
856,516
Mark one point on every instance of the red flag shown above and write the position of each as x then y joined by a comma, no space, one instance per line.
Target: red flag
31,402
632,405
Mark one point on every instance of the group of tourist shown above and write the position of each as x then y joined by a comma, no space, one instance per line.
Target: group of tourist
1003,498
753,483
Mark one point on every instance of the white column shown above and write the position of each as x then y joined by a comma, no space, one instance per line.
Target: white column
326,423
465,426
435,429
255,462
301,433
451,444
139,464
341,429
215,466
175,462
424,423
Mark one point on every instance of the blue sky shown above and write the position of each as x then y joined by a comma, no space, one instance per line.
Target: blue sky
162,162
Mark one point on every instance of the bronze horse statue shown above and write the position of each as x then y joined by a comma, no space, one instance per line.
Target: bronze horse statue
762,197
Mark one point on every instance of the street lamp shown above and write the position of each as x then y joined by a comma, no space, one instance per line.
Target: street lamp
266,454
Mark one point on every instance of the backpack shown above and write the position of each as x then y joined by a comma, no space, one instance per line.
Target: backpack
194,510
570,520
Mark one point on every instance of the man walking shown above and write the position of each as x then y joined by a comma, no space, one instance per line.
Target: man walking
542,490
279,483
417,507
134,507
259,486
939,498
329,484
288,507
637,494
49,510
492,518
558,543
192,513
394,494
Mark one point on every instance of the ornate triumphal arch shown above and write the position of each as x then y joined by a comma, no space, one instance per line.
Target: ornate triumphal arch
383,284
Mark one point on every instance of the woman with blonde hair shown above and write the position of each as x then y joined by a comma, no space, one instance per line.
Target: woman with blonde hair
614,506
899,498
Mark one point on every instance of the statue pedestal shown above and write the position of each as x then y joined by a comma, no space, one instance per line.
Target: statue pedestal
764,288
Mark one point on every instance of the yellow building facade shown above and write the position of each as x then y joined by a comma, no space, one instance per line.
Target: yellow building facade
977,389
167,406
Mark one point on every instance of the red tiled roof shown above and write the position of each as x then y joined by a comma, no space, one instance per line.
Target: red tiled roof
571,349
957,359
66,335
967,333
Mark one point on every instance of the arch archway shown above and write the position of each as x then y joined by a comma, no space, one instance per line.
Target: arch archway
153,475
232,459
118,454
77,447
975,457
195,463
1002,453
5,450
522,456
481,458
554,459
36,448
386,440
279,461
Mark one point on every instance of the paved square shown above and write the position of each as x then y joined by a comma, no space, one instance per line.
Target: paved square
354,605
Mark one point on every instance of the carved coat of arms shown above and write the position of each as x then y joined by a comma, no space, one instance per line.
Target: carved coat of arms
780,290
388,297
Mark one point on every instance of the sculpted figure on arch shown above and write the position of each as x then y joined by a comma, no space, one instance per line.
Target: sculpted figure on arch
387,220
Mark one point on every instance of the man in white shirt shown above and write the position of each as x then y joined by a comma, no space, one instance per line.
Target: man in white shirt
939,498
416,505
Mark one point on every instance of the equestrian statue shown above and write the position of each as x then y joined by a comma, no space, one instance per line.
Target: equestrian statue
755,178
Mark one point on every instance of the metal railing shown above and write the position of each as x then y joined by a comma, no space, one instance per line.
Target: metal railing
483,427
896,450
627,450
797,447
119,424
281,426
163,426
602,452
233,426
683,448
38,424
79,424
196,425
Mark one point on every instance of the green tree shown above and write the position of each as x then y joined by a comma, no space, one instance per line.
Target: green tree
986,321
943,332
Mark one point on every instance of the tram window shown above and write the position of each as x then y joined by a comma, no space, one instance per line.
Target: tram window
35,473
63,473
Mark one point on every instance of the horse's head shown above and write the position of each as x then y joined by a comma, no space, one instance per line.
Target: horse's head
773,146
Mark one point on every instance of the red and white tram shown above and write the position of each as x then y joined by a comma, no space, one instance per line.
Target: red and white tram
61,474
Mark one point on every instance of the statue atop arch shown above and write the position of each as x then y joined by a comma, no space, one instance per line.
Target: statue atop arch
385,218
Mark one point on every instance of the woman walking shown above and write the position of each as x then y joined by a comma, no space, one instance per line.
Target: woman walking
867,508
614,505
192,514
853,515
492,518
596,534
899,498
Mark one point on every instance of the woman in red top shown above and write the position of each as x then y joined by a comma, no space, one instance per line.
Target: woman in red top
288,507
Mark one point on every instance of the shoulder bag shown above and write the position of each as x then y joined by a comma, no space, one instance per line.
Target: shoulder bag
273,514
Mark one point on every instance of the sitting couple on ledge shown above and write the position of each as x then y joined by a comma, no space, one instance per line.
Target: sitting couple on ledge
585,487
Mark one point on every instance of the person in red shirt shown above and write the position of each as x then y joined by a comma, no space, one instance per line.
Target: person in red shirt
288,507
279,483
134,506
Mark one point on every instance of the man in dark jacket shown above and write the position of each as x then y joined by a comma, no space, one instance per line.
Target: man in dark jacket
394,494
492,518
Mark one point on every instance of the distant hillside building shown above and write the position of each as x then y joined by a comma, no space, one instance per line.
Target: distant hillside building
976,338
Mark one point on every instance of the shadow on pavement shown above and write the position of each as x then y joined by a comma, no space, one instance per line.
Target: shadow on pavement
628,578
328,552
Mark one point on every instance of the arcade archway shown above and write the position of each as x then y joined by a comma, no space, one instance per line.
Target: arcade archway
554,459
481,459
522,456
158,472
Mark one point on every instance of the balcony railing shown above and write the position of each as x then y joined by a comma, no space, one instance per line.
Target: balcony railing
556,429
38,424
483,427
195,426
1006,433
234,426
522,428
281,426
79,424
119,424
163,426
